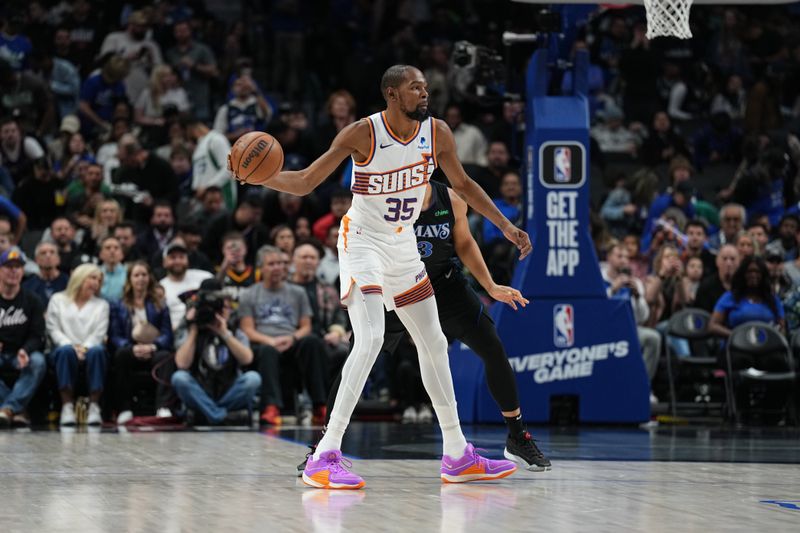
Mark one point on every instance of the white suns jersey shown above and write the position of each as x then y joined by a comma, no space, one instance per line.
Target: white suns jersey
389,187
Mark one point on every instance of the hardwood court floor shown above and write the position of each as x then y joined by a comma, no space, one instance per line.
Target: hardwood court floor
230,481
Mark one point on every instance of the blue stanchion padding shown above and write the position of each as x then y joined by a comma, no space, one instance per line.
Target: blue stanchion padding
571,339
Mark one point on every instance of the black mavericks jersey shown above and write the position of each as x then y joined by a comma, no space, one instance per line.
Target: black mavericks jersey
434,231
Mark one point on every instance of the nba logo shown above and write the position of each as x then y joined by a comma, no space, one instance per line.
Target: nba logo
563,325
562,164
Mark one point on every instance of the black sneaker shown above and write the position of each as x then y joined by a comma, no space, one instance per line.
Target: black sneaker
522,450
302,466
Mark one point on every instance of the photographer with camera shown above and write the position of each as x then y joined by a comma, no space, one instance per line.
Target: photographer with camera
621,285
209,360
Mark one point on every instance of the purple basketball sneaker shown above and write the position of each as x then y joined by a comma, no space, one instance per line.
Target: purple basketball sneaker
330,472
473,467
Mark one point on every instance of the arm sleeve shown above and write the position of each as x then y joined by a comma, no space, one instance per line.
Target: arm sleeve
9,208
612,207
246,304
68,84
221,119
117,336
100,329
165,341
304,304
53,322
724,304
33,149
641,311
35,340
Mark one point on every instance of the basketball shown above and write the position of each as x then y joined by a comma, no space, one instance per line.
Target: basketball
255,158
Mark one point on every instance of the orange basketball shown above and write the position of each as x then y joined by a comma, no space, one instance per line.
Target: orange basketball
255,158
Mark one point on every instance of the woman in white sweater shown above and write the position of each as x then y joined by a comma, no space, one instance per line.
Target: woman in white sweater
77,322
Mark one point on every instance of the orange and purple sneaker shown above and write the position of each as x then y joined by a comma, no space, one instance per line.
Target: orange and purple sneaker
330,471
473,467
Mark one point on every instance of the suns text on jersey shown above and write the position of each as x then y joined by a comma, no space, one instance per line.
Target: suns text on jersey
401,179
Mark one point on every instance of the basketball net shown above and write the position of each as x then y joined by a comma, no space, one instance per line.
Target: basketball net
668,18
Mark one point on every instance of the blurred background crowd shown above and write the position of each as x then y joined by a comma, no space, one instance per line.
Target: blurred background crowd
116,119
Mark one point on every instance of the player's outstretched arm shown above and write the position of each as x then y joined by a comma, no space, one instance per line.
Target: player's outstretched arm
352,140
471,191
470,254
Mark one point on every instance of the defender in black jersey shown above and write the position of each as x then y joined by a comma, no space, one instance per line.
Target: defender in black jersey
443,237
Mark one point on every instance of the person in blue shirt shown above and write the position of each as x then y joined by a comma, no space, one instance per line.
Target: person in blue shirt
750,299
680,196
15,47
100,94
498,251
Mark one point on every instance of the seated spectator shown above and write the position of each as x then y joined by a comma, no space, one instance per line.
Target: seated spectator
210,207
149,173
40,196
697,246
471,145
49,280
85,193
717,142
67,168
328,320
663,143
732,219
691,279
286,208
136,45
732,99
77,323
750,298
162,94
638,263
498,251
58,146
302,229
234,273
114,270
680,197
276,317
328,270
180,159
179,280
498,161
618,210
107,214
28,98
786,243
781,282
18,151
192,237
140,338
612,135
21,340
125,233
341,200
62,77
746,246
621,285
663,289
197,66
714,286
62,234
99,94
761,188
760,235
107,154
209,162
246,219
282,237
160,231
210,360
246,111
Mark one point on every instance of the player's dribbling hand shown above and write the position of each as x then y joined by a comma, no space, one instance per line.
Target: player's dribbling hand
520,239
508,295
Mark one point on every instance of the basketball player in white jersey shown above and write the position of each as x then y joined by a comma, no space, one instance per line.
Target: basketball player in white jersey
394,154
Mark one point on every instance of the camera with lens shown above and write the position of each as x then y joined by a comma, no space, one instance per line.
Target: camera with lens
478,73
207,305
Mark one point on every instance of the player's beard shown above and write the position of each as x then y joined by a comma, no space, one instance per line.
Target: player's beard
419,114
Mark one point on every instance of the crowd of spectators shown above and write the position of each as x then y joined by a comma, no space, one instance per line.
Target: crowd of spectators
116,120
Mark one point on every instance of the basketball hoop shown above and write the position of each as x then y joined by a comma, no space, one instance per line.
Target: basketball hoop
668,18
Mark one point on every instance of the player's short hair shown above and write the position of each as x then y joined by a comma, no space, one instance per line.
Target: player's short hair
393,77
